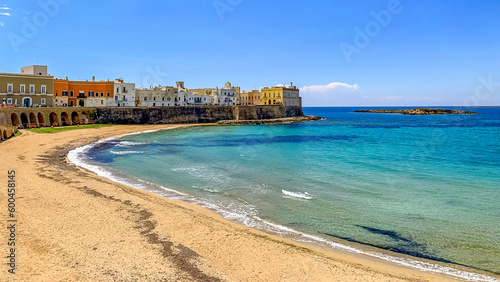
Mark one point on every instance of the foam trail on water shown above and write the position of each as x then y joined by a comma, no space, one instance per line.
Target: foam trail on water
126,152
305,195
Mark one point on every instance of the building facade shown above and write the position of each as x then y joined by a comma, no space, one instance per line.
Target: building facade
33,87
250,98
83,93
156,96
243,98
124,94
226,96
280,95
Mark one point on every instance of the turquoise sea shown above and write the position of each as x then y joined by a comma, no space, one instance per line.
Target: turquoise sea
425,186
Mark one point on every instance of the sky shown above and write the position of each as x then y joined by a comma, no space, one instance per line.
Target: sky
338,52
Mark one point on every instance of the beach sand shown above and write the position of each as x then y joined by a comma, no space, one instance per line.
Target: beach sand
74,225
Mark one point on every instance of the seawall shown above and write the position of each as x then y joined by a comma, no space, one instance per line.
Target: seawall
13,118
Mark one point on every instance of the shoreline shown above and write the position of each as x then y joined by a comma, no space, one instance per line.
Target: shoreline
155,227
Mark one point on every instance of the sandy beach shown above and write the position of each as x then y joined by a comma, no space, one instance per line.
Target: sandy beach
74,225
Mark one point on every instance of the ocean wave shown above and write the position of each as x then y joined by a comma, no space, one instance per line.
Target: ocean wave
305,195
129,144
126,152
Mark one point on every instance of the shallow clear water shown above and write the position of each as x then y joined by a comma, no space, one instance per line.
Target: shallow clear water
427,186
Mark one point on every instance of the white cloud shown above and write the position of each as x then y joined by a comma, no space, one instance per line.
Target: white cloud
332,94
4,14
4,8
1,24
332,87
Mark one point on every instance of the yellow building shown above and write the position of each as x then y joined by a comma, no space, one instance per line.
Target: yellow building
280,95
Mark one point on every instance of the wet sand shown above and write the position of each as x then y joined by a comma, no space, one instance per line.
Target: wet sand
74,225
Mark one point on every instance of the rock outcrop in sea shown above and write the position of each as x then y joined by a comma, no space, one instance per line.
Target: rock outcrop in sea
420,111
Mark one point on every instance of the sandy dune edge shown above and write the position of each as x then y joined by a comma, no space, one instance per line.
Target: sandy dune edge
75,225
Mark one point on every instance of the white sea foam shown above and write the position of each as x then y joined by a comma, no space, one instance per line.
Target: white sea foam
129,144
126,152
248,216
305,195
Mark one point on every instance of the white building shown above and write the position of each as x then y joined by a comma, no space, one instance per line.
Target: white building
159,96
226,96
199,100
124,94
291,96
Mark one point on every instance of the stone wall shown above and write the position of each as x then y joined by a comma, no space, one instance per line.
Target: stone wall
201,114
13,118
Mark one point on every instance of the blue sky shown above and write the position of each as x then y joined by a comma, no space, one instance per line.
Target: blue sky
340,53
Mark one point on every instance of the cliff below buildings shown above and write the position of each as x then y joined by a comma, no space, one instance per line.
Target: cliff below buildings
201,114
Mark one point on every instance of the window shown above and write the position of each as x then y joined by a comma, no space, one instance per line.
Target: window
71,93
10,88
102,102
9,101
44,89
102,94
91,93
163,98
118,90
43,101
108,94
23,89
65,93
116,98
145,98
82,94
124,98
124,89
32,89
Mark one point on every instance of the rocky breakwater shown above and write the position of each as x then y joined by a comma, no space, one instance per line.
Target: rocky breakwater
418,112
273,120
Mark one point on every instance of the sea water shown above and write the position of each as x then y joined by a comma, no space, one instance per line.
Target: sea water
425,186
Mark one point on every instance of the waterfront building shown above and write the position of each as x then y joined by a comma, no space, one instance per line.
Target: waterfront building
124,94
226,96
194,99
250,98
33,87
243,98
156,96
83,93
281,95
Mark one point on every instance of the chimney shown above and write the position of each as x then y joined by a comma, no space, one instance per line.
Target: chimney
93,78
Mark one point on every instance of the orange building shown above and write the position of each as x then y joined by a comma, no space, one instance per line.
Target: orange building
82,93
254,97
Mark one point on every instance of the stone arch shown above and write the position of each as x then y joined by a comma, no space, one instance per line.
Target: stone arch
41,120
84,117
15,119
75,117
24,119
33,119
65,119
53,119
